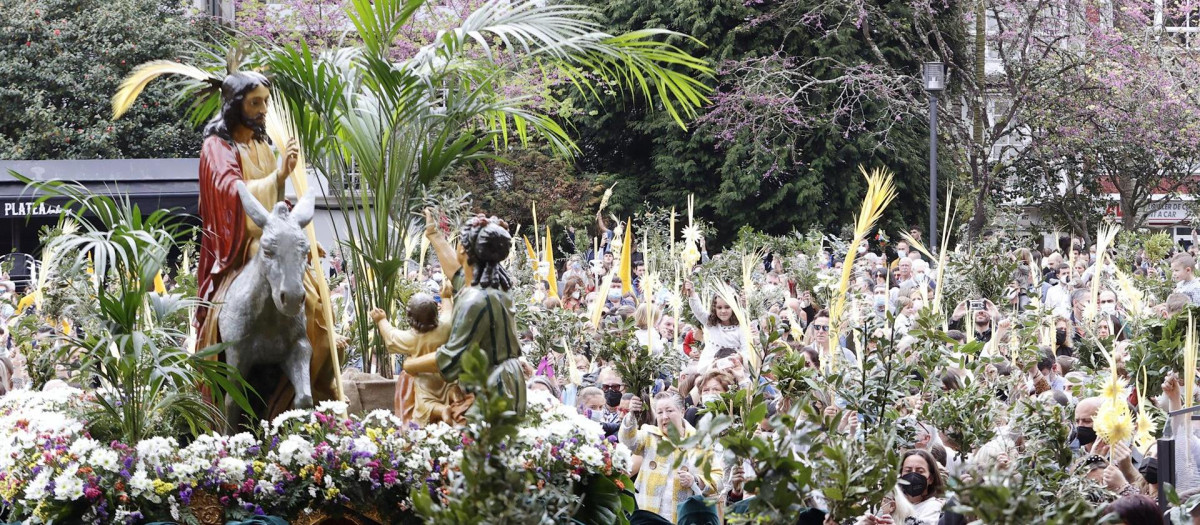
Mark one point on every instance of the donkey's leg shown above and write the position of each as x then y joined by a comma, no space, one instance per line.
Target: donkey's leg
233,411
296,368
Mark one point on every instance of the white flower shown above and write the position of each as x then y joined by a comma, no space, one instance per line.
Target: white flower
156,451
105,458
240,444
36,491
82,446
68,486
383,418
333,407
622,457
140,483
234,469
365,445
295,414
295,450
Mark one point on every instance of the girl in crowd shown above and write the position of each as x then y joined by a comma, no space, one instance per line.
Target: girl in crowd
721,328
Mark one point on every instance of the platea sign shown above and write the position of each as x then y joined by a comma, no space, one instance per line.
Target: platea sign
30,209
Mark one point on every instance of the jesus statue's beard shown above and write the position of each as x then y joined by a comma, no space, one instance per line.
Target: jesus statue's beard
256,125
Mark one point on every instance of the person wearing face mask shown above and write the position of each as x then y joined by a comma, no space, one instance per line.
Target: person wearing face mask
661,485
711,386
901,254
917,500
613,388
591,404
573,292
1111,308
1064,343
1083,437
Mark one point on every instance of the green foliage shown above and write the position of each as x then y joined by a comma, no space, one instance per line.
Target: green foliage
966,415
982,271
133,348
812,174
62,60
490,492
510,184
1158,350
634,362
1044,491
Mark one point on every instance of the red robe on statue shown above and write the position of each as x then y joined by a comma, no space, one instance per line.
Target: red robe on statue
223,241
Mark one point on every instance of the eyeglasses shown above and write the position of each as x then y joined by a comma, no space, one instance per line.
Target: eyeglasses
821,327
613,387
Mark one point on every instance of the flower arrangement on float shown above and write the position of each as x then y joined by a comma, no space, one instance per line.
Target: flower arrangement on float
302,462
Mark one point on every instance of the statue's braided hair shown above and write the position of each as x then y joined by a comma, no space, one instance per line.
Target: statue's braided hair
487,243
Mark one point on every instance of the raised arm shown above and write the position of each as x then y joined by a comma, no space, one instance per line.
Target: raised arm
446,254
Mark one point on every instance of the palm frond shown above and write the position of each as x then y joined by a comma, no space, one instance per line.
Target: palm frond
142,75
880,192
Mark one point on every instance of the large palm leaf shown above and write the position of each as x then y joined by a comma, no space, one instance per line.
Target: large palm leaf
396,126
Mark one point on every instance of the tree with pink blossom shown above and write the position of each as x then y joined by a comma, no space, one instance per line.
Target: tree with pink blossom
1127,124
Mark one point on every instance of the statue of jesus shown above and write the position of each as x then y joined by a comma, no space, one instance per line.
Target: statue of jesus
236,148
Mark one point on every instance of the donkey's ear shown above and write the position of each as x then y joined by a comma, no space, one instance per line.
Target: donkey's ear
254,209
303,212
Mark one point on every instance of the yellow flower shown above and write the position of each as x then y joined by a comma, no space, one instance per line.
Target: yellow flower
331,492
1113,422
162,487
1113,389
1145,430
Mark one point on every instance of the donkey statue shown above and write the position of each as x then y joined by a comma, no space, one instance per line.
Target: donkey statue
262,318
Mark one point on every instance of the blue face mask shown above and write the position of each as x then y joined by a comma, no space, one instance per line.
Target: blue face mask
614,296
880,301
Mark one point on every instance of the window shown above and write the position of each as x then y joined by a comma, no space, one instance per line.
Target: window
1181,20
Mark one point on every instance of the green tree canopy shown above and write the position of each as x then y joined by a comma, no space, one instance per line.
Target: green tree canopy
61,61
775,165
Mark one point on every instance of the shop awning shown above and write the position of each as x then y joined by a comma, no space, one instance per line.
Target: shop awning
152,184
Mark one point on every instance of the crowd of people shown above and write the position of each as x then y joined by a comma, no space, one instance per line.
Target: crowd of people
1076,300
894,284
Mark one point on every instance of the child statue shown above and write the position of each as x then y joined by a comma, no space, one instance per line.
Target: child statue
482,313
435,399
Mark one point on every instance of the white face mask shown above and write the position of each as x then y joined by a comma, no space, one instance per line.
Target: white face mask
1108,308
709,398
902,253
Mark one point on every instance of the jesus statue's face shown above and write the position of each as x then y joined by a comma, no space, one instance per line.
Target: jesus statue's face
254,108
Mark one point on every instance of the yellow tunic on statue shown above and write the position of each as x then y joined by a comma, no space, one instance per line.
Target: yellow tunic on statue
432,392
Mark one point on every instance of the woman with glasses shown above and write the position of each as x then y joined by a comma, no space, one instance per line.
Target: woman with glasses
818,337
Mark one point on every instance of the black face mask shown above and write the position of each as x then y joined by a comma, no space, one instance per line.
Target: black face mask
1085,435
612,398
1060,336
916,484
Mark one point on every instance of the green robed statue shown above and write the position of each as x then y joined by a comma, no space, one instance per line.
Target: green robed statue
483,311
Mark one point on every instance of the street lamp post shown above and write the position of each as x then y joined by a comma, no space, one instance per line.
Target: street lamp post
934,74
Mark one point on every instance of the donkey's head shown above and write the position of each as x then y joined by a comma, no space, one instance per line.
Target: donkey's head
283,248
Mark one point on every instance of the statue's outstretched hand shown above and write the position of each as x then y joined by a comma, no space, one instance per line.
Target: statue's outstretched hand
431,226
290,159
377,315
